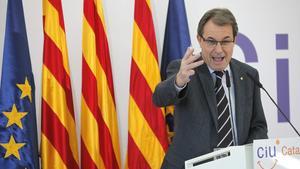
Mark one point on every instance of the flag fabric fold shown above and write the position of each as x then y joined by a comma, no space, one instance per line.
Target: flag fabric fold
58,136
177,36
99,125
18,130
146,123
176,41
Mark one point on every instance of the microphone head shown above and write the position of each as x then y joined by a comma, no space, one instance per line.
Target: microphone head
254,80
228,84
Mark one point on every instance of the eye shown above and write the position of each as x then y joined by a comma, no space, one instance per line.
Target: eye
226,42
211,42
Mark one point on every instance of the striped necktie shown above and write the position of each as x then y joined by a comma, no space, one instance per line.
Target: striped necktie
225,137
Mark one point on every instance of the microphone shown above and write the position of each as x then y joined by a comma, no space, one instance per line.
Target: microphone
228,84
262,87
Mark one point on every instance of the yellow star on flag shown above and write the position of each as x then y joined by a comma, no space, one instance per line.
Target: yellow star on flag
12,148
26,89
14,117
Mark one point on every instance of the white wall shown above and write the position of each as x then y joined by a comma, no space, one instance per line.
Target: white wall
259,20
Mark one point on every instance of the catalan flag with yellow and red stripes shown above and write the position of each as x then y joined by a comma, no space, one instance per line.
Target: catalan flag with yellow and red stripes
58,137
99,125
147,136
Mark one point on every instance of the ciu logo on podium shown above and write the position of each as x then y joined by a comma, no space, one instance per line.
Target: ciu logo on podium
277,153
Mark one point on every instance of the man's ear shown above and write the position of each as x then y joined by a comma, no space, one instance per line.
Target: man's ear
200,41
199,38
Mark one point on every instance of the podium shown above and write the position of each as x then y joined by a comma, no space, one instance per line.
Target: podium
279,153
236,157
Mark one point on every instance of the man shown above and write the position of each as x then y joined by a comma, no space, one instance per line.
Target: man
204,117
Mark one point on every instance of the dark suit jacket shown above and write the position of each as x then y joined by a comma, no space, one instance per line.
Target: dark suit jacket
196,111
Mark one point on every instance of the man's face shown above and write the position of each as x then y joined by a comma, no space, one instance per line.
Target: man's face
216,55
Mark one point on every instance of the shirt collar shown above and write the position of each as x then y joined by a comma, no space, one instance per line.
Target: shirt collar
227,68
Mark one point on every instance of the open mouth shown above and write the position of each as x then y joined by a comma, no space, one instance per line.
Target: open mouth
218,59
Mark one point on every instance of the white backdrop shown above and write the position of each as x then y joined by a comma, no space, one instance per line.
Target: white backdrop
259,20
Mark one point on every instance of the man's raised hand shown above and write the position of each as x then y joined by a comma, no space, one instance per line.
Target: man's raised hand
188,63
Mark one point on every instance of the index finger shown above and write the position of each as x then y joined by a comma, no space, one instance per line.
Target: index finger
188,53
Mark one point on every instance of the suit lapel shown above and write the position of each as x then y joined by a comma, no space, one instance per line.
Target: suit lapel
239,90
208,87
240,93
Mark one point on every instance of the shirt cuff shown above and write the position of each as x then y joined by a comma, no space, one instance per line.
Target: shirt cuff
178,89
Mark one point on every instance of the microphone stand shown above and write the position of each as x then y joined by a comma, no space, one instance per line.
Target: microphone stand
285,117
281,112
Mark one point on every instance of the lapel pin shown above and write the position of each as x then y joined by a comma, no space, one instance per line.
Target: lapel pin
241,78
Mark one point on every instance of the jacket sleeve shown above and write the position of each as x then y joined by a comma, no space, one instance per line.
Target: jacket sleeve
165,93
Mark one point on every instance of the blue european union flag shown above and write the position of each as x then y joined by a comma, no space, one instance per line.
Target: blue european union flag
18,131
177,36
176,41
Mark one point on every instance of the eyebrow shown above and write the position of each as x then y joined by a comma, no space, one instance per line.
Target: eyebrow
211,38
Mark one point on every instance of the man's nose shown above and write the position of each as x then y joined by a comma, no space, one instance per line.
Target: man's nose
218,47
